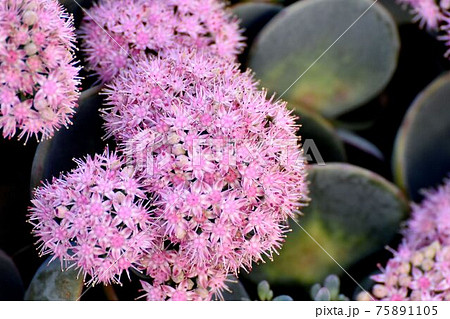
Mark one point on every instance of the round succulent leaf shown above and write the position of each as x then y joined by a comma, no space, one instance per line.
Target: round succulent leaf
11,285
84,137
321,142
342,297
312,55
52,283
314,290
323,295
283,298
353,212
264,291
332,282
422,152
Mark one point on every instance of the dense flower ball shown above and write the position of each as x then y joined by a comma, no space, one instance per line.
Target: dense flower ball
94,218
115,30
415,274
222,162
420,268
430,221
38,79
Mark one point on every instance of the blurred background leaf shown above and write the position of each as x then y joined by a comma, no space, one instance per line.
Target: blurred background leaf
51,283
353,213
422,148
358,67
11,286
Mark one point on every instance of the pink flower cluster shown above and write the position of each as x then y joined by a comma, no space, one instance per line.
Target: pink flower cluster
94,218
209,169
431,219
221,161
433,15
114,32
420,268
38,79
415,274
212,171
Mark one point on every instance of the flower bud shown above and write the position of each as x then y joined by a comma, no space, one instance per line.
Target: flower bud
417,258
180,232
405,268
61,211
178,149
363,296
427,264
31,49
380,291
173,138
29,17
404,280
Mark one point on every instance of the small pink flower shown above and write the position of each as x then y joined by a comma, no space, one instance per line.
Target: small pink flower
420,268
418,277
38,78
92,220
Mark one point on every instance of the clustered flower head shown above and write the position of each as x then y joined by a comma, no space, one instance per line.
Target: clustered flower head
432,14
38,79
221,162
430,220
420,268
94,218
114,32
415,274
208,171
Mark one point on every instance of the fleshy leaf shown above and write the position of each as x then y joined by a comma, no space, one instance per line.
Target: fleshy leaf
360,143
283,298
323,295
353,213
321,142
264,291
332,283
422,152
314,290
51,283
311,54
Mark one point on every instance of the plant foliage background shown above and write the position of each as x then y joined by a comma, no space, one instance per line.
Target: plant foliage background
375,107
